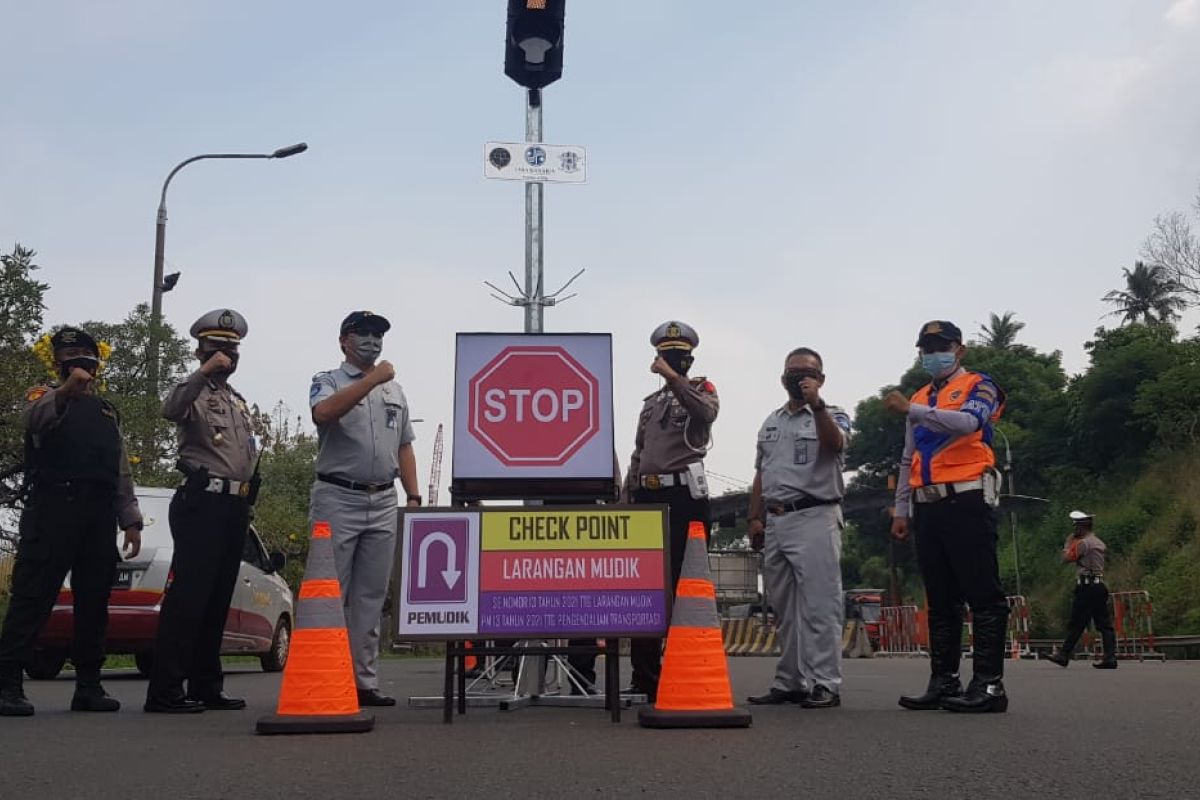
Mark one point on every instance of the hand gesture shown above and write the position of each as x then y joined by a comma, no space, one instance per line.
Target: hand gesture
77,382
383,372
133,542
661,367
757,535
896,402
217,364
900,528
811,389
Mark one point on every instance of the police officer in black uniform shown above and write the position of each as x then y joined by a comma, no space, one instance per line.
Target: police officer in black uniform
210,516
80,490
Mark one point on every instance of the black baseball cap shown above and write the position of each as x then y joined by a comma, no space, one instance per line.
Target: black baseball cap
73,337
366,319
939,329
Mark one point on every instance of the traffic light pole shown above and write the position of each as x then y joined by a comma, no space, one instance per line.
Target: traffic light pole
535,306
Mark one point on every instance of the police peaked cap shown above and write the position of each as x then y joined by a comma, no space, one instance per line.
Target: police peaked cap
940,329
222,325
366,319
73,337
675,335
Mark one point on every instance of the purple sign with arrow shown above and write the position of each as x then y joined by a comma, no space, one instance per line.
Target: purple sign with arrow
437,558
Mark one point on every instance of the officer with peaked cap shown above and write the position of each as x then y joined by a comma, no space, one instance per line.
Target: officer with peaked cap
949,483
209,515
365,441
667,466
1087,552
80,490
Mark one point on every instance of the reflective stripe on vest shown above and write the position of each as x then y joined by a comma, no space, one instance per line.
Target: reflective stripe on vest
943,457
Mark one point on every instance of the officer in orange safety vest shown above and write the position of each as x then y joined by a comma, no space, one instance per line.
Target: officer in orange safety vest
949,487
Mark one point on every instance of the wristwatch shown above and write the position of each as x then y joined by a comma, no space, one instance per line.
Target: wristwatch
415,497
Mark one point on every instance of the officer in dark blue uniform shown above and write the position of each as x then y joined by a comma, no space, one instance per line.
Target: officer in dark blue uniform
80,490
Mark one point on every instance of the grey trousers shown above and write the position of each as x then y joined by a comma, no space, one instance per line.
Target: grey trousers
802,573
364,544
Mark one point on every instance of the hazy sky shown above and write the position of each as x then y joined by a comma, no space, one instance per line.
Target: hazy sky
776,174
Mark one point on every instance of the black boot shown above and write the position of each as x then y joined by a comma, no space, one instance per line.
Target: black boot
983,695
1110,651
1060,658
986,690
90,696
13,702
945,644
940,686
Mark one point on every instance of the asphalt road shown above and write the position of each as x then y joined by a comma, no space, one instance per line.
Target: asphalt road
1068,733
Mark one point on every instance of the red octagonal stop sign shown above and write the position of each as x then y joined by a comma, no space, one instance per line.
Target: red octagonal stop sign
533,406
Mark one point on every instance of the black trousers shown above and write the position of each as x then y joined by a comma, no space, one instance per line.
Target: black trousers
65,528
646,654
209,531
1090,605
956,551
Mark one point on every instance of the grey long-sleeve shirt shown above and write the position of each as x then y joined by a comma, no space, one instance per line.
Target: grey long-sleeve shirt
214,427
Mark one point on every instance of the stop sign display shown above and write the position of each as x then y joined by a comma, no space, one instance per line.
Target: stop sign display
533,406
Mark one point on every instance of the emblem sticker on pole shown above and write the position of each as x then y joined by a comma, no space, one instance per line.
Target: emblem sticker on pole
533,417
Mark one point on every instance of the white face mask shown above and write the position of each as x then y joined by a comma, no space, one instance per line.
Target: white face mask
365,347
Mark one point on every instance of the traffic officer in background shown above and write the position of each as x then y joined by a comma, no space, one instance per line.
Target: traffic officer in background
209,515
949,486
79,492
667,466
795,505
1085,549
365,442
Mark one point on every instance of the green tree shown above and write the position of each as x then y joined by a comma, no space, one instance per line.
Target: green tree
22,304
288,466
1150,296
1001,331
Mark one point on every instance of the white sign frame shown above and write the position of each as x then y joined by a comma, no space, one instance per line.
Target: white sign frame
535,162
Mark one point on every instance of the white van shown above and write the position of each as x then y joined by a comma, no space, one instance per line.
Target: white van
260,616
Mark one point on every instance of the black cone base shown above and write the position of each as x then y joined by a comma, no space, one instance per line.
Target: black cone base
725,718
290,723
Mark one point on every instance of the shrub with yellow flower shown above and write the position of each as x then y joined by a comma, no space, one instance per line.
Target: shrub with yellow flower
43,348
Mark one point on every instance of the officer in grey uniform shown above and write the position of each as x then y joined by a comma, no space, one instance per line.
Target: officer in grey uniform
1088,552
673,434
209,515
365,439
795,506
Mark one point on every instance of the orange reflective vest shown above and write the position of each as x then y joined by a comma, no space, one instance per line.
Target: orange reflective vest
950,458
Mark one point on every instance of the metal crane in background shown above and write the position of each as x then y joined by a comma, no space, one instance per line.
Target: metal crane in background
435,473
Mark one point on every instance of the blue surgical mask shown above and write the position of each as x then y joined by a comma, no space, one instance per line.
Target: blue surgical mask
939,365
366,347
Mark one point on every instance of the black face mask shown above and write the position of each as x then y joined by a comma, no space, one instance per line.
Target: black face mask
88,364
678,360
792,379
232,355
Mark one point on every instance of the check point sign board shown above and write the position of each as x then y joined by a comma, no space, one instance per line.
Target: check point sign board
532,415
533,572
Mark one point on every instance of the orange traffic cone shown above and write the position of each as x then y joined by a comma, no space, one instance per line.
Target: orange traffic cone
694,690
318,694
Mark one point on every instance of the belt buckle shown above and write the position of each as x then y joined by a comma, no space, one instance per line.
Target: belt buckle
244,489
653,482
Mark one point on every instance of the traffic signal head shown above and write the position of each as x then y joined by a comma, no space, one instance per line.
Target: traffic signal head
533,48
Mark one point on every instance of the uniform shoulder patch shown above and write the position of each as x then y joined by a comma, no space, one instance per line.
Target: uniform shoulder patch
704,385
36,393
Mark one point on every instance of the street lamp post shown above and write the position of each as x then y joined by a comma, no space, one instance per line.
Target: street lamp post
160,239
1012,512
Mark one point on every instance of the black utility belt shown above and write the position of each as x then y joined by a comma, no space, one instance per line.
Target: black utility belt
369,488
224,486
1089,580
779,509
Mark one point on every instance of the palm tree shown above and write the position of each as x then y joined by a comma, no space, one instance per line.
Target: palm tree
1150,296
1001,331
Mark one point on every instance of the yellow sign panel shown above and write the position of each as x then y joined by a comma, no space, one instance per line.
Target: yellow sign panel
530,529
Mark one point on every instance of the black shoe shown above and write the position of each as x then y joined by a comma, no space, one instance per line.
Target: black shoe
92,697
172,705
14,703
1060,658
821,697
1107,663
372,697
981,697
940,686
777,697
219,702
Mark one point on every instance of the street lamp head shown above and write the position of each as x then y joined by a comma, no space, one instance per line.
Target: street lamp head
290,150
169,282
